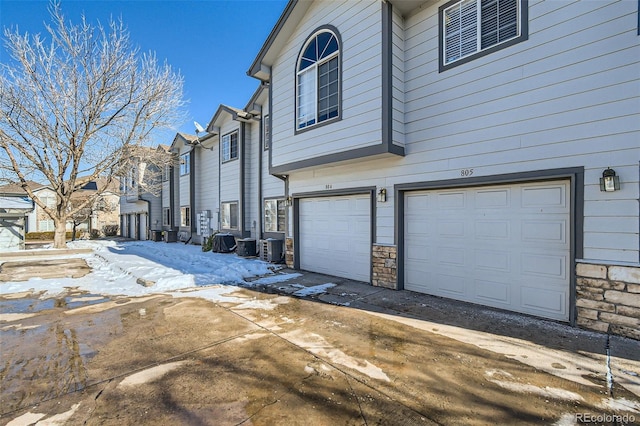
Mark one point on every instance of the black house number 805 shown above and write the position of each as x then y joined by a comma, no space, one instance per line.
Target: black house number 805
466,172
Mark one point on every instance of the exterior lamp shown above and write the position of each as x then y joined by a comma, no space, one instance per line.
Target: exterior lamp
382,195
288,201
609,182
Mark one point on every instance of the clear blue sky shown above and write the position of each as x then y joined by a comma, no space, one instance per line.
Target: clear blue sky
211,42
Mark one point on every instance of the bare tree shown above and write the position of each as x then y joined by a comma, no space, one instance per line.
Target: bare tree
74,105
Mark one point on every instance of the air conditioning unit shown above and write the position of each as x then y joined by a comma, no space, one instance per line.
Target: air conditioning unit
271,250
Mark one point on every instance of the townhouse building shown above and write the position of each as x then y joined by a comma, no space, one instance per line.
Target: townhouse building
140,196
481,150
221,182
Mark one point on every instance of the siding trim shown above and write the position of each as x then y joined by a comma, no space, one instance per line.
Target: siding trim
387,73
576,213
357,153
371,190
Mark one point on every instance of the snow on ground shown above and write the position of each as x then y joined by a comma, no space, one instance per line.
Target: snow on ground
117,266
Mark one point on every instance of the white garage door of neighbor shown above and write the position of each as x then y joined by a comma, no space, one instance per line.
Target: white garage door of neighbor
335,236
9,235
505,246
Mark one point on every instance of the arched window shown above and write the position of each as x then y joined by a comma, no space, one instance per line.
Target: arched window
318,80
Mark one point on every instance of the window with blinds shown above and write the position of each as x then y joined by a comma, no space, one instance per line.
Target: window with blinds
469,27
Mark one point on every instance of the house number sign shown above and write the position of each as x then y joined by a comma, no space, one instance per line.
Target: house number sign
466,172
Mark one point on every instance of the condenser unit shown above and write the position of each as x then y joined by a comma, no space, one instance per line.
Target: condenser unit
271,250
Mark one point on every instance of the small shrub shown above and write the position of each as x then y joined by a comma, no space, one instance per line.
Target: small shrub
110,230
48,235
207,245
94,234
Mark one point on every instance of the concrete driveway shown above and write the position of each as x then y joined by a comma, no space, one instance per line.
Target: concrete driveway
351,355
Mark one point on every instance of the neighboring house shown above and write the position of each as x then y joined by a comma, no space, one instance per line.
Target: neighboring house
140,198
178,208
104,210
14,209
456,148
15,191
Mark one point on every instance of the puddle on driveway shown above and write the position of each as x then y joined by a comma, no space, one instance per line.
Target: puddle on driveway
35,305
45,352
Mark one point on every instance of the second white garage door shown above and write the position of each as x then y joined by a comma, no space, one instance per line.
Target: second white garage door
504,246
335,236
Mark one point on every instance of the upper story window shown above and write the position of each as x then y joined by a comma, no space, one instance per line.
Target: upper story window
230,146
318,80
266,124
472,28
166,172
185,164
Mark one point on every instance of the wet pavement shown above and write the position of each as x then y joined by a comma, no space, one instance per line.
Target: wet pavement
273,354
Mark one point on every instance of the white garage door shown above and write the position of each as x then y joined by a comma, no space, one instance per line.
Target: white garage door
504,246
10,235
335,236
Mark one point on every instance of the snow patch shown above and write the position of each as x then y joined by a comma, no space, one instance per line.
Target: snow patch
278,278
149,374
546,392
318,346
313,290
621,404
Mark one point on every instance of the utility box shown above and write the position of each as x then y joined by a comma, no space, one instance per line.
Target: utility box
246,247
271,250
156,236
170,236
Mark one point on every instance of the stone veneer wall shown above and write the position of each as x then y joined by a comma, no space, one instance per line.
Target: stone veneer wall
288,252
608,298
385,269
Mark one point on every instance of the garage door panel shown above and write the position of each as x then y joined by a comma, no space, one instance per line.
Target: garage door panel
545,265
552,230
491,199
541,196
545,302
493,229
493,260
451,285
451,229
335,236
493,292
451,200
493,245
451,256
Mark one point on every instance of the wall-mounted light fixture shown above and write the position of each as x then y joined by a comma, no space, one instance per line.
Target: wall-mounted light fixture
609,182
382,195
288,201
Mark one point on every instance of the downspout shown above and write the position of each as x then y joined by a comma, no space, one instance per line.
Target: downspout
241,213
261,146
172,198
192,192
